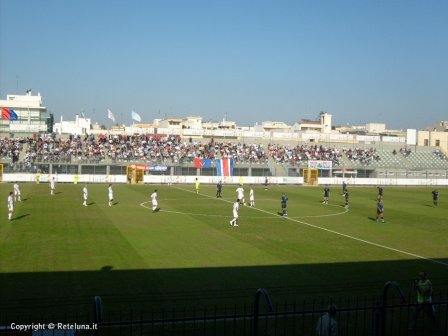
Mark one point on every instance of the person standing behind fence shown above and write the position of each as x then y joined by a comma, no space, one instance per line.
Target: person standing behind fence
423,287
327,324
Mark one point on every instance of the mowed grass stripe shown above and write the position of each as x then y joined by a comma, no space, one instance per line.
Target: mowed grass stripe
60,234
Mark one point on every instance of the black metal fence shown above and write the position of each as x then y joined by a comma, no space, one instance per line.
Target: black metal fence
392,314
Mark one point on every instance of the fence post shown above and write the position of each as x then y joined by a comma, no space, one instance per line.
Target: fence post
383,305
97,313
260,291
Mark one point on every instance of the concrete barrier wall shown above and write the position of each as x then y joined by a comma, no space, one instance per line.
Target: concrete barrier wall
166,179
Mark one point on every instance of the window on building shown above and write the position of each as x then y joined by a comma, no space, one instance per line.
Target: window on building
426,142
437,143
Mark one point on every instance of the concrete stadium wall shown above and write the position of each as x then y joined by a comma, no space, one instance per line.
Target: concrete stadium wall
383,181
148,179
166,179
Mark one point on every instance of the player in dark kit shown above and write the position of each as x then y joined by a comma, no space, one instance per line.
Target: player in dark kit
344,188
284,208
435,197
380,192
380,210
326,194
219,189
346,198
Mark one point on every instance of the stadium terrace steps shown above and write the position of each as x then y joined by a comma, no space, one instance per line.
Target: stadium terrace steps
346,162
427,160
276,168
23,152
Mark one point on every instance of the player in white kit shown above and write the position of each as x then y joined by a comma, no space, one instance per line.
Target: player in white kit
85,195
52,185
10,205
111,195
240,193
17,193
252,197
236,207
154,201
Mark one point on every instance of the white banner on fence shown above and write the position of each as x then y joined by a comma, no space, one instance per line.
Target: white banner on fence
411,137
318,164
13,127
393,139
370,138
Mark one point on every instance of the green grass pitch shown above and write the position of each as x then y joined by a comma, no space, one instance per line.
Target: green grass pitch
57,254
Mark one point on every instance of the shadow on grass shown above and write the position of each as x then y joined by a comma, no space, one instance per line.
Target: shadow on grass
91,203
36,294
21,216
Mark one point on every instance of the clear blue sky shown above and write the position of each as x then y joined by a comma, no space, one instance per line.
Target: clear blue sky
362,61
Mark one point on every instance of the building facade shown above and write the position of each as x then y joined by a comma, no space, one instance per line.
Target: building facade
30,115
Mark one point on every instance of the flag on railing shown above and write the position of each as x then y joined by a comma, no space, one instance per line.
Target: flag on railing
224,167
110,115
202,163
136,116
9,114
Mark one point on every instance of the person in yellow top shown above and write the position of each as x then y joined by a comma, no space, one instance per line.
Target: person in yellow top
38,177
75,179
197,185
423,287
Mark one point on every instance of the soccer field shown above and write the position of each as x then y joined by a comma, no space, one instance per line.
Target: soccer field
56,254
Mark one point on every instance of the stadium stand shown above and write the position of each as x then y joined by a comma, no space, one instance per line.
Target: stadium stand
277,158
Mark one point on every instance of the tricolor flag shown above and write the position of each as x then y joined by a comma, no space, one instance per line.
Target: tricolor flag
136,116
110,115
202,163
9,114
224,167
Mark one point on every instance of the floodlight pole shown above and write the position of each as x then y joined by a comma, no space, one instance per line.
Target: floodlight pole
260,291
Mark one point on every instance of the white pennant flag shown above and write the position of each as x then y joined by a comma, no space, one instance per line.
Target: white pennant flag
136,116
110,115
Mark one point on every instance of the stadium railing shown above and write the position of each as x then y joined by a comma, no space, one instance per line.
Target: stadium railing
391,315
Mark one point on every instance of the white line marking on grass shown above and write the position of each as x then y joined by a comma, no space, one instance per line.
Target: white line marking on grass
337,233
199,214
